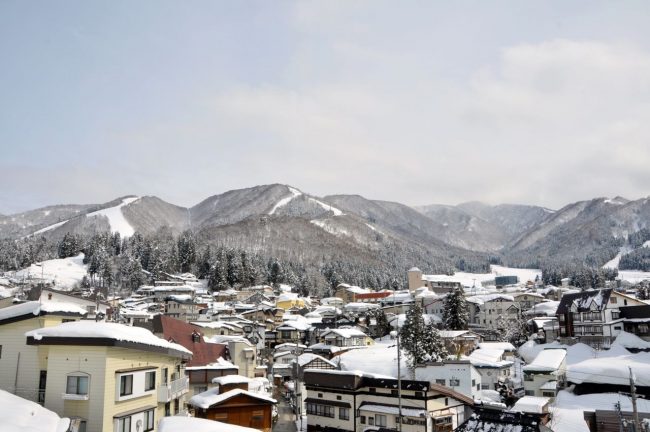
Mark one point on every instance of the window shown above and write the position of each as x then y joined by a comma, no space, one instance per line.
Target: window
643,328
616,315
485,386
362,419
124,424
473,382
393,392
0,351
613,300
320,410
338,398
372,390
371,421
454,382
168,409
286,334
126,385
77,384
148,420
320,395
530,393
165,372
418,394
344,413
380,420
548,394
441,381
66,320
150,381
82,426
528,377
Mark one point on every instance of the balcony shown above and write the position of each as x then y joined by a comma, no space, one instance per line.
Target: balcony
173,389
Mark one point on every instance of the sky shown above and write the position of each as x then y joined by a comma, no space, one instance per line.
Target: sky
419,102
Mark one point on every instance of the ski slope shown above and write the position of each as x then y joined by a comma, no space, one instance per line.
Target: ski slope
116,218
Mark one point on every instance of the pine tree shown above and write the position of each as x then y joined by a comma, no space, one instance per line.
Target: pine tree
434,344
412,336
455,315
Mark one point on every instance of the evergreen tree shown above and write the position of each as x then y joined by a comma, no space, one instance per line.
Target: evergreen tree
412,336
455,315
69,246
186,251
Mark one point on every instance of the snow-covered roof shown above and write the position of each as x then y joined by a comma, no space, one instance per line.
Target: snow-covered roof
532,404
36,308
231,379
548,360
629,340
488,358
549,385
287,296
221,363
484,298
105,330
344,333
212,397
194,424
306,358
21,415
505,346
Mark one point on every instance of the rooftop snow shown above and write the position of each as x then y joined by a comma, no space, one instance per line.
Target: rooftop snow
212,397
395,410
221,363
36,308
505,346
231,379
345,333
548,360
91,329
531,404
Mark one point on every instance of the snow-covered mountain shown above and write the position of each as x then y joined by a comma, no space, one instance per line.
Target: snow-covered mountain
286,221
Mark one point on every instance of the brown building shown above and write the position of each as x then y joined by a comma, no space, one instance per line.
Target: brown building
236,406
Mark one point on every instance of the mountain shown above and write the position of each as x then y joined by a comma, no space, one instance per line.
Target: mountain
482,227
283,221
592,231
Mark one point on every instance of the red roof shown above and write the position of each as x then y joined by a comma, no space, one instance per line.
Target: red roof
373,295
181,333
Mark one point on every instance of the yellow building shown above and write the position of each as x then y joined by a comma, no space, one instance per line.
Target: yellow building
111,376
289,300
23,368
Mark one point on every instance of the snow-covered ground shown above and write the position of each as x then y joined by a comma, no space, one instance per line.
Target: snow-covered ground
65,273
633,276
21,415
116,218
475,279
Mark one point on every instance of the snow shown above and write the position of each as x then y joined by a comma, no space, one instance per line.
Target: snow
231,379
328,227
568,409
327,207
306,358
531,404
484,357
629,340
64,272
613,263
49,228
547,308
401,319
504,346
21,415
484,298
284,201
612,367
633,276
220,364
380,358
184,424
212,397
469,280
116,218
36,308
91,329
344,333
549,360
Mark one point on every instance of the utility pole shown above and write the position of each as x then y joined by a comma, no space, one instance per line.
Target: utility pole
635,413
399,381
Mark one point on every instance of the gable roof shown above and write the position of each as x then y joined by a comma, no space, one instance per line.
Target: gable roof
181,333
212,397
23,311
584,301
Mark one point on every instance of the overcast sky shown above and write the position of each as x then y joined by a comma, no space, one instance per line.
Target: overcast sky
419,102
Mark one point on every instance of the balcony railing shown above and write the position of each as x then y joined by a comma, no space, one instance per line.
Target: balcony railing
173,389
72,396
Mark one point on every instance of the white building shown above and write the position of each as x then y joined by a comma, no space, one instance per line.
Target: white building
542,375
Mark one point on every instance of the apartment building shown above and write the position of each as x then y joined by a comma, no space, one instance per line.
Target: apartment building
546,373
353,401
111,377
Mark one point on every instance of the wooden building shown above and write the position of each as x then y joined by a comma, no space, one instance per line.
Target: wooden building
237,407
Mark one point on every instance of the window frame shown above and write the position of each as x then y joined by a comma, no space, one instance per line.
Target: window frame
149,418
77,376
149,386
123,381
